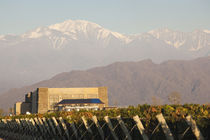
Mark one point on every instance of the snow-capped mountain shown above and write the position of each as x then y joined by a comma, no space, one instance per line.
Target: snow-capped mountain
80,30
206,31
190,41
77,44
62,33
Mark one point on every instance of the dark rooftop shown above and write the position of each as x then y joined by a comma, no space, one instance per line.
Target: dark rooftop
81,101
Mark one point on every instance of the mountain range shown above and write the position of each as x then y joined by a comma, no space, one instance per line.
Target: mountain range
77,44
132,83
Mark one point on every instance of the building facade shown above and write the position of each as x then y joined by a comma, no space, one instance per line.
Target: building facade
78,104
45,99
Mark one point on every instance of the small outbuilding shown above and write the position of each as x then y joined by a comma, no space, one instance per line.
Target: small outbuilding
78,104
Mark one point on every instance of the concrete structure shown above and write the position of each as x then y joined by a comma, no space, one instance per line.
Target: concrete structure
21,107
44,99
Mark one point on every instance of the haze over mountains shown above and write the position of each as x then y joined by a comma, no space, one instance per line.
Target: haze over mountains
131,83
41,53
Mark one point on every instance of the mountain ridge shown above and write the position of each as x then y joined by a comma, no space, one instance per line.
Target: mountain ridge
133,82
46,51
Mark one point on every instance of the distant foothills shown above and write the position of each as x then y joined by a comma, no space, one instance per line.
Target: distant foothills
132,83
77,44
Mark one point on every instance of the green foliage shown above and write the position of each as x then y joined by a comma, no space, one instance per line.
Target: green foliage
172,113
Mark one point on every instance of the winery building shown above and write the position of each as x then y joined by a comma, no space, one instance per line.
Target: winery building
45,100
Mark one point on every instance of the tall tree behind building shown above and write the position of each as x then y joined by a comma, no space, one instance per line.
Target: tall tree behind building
174,97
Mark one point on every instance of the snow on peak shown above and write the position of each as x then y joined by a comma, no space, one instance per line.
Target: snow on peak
195,40
74,26
37,33
61,34
86,29
2,37
206,31
173,38
176,44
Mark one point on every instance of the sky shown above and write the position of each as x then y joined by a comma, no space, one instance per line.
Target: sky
123,16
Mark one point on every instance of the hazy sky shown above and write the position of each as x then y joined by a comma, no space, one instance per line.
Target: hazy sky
124,16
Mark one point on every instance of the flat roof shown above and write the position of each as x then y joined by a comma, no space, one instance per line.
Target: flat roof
81,101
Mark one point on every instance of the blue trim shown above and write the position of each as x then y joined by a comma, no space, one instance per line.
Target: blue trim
81,101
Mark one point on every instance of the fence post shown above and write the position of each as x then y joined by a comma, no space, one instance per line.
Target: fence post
57,126
46,125
29,126
35,128
73,128
165,127
52,127
86,125
194,127
27,129
6,133
140,127
43,126
18,125
122,125
23,128
17,128
106,118
1,124
5,123
6,127
10,125
12,128
34,125
64,127
40,127
95,120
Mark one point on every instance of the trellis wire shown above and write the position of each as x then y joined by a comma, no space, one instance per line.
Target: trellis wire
43,128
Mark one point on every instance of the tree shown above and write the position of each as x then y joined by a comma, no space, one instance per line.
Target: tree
156,100
1,112
115,102
174,97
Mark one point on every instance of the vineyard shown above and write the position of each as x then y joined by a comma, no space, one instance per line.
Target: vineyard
145,122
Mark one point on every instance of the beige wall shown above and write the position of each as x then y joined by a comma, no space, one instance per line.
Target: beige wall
44,99
17,108
103,96
56,95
